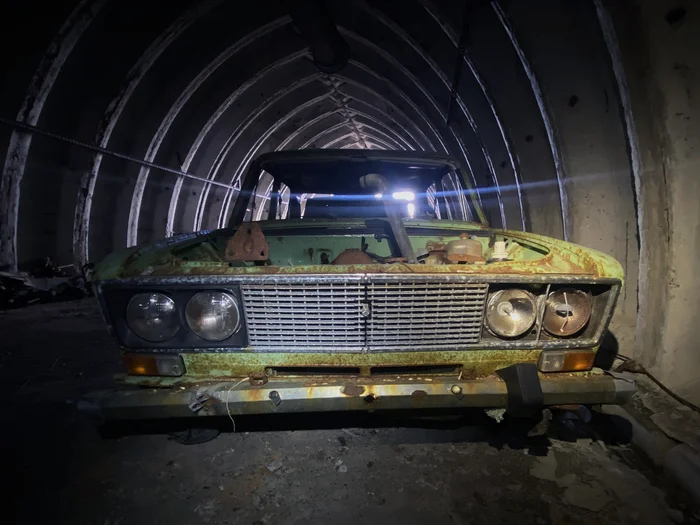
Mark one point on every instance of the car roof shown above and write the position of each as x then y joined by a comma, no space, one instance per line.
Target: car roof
354,155
339,170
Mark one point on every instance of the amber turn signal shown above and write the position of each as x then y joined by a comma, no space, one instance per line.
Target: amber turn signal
153,365
566,360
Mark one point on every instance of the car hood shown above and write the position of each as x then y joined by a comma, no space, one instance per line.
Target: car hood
298,247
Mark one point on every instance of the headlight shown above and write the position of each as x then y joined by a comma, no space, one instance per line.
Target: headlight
152,316
511,313
567,312
213,316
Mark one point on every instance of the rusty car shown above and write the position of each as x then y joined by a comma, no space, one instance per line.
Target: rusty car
354,280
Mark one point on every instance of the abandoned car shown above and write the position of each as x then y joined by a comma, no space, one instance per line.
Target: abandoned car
355,280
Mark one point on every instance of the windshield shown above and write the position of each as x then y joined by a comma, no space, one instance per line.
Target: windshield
331,189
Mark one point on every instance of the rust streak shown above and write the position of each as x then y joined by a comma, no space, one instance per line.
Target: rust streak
353,390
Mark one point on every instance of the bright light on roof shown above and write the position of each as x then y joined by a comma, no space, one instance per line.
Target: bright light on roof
403,195
378,195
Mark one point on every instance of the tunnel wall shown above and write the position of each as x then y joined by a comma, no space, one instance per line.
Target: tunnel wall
659,56
567,128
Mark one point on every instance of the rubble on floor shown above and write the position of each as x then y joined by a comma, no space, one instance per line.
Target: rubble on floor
43,282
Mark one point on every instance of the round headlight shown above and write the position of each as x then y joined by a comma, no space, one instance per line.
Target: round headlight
213,316
511,313
152,316
567,312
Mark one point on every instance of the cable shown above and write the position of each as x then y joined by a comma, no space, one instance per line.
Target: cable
228,395
33,129
630,365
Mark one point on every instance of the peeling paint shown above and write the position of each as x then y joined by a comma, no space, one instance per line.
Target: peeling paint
538,255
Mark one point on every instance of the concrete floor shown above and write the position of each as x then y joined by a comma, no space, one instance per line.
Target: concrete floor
334,468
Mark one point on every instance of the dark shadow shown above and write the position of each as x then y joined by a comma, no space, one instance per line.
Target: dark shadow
438,420
425,427
612,429
609,348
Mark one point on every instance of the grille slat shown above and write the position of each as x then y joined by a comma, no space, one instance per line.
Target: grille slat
404,315
410,315
309,317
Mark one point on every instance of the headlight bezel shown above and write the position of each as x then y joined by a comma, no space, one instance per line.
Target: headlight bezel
235,304
603,293
115,298
173,329
581,325
493,297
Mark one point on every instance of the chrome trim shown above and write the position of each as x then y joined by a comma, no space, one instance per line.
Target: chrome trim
411,315
324,276
540,312
246,281
305,317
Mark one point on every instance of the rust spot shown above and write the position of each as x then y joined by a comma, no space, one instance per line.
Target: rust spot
353,390
233,366
247,244
432,246
258,379
466,258
419,393
255,394
352,256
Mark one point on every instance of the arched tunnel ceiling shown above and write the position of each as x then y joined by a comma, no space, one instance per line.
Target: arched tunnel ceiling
205,86
202,87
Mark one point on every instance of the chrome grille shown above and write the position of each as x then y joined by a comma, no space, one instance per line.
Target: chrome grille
305,316
366,314
421,315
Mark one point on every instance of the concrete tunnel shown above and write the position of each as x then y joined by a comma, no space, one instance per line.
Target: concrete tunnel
125,122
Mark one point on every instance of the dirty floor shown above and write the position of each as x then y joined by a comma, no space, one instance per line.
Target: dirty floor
333,468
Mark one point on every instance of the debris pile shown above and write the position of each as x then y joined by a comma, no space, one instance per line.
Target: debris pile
43,282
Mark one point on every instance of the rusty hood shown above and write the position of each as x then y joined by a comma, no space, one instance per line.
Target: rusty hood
309,246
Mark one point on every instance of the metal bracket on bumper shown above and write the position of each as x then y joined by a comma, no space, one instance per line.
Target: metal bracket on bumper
525,396
359,393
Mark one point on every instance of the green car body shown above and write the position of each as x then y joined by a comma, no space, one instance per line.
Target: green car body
220,379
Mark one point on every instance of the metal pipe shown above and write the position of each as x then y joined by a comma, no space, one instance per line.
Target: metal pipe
38,131
378,183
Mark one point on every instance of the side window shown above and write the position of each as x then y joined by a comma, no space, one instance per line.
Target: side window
283,202
433,200
271,198
451,193
457,199
259,202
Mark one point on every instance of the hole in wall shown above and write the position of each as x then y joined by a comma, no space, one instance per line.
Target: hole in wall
573,100
675,16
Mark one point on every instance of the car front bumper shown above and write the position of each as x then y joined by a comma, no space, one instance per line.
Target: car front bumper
289,395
